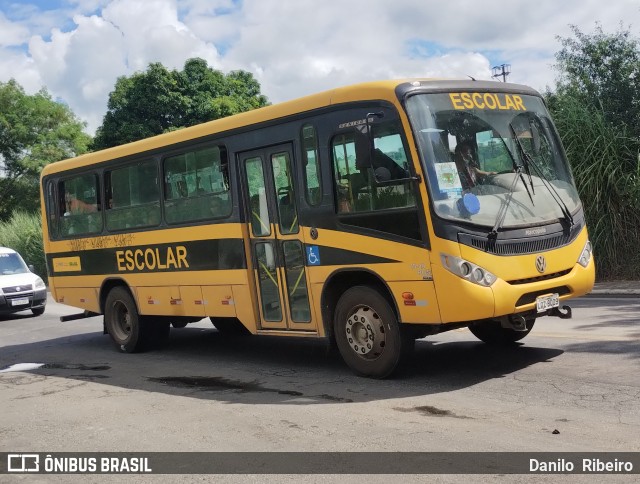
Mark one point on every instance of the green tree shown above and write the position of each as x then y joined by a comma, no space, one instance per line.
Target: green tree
596,107
34,131
603,71
159,100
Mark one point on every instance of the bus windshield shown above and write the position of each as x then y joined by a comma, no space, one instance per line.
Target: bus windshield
492,159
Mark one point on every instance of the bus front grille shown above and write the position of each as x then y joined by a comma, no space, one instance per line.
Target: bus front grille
529,245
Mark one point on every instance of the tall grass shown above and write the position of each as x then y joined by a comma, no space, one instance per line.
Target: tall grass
604,159
23,233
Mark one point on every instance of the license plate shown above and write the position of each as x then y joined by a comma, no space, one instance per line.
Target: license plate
20,302
543,303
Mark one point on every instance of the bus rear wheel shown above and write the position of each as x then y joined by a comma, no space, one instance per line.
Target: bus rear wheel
128,330
492,332
368,334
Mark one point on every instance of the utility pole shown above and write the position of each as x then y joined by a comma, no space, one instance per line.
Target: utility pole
502,70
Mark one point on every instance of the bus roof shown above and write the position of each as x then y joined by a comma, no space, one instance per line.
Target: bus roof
375,90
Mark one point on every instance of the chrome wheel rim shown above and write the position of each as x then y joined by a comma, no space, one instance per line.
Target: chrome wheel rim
365,333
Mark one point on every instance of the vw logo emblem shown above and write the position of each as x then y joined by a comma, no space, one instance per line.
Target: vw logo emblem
18,288
541,264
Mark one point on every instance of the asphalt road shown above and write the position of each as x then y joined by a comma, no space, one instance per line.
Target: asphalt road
572,385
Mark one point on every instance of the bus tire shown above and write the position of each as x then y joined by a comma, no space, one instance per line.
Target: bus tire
491,332
179,324
368,334
128,330
37,311
230,326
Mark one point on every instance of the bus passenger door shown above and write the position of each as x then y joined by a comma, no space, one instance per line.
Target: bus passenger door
277,250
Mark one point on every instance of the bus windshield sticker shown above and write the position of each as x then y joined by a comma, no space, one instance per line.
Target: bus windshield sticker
449,179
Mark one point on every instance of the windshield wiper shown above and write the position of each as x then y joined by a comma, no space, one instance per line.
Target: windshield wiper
493,235
525,161
528,160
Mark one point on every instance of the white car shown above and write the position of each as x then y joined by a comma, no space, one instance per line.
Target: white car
20,289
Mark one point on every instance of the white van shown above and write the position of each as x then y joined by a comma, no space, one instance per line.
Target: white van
20,289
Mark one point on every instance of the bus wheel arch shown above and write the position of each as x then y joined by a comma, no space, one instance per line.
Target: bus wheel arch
106,288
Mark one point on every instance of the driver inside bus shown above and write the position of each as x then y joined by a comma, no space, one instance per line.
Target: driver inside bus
468,166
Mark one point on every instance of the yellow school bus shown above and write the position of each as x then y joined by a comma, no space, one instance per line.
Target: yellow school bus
369,215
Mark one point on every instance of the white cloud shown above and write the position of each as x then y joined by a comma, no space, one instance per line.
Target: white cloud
11,33
153,32
293,48
21,68
82,64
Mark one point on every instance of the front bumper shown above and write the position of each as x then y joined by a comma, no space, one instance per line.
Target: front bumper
12,303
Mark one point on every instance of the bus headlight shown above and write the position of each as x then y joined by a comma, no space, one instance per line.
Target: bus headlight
585,256
40,284
467,270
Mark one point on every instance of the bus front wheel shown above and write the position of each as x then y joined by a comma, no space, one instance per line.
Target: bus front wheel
492,332
368,334
127,328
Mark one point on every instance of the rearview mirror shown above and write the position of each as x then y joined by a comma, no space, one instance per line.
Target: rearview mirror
535,139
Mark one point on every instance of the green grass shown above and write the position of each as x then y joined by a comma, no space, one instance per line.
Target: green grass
605,164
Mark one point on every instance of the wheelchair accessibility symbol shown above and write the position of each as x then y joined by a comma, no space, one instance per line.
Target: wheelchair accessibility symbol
313,255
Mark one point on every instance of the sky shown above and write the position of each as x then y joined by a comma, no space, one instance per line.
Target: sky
77,49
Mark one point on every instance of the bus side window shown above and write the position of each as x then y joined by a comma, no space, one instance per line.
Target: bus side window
50,206
133,195
260,220
311,165
192,180
80,202
282,177
360,166
348,177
